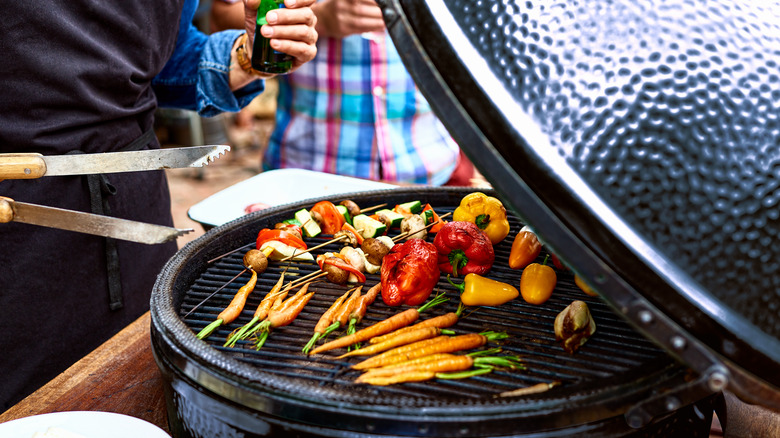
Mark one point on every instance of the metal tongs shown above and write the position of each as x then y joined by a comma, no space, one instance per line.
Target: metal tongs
33,165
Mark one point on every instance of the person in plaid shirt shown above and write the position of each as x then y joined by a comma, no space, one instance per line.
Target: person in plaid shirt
354,110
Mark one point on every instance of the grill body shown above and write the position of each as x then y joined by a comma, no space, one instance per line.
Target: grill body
618,384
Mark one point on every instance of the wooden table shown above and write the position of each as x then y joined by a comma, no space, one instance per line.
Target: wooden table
119,376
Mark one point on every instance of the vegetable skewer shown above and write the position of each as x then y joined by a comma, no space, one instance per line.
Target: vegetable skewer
385,326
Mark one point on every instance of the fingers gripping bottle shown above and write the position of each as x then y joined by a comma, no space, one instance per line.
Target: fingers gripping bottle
264,58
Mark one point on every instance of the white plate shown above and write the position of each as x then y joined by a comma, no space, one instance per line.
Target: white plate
90,424
275,187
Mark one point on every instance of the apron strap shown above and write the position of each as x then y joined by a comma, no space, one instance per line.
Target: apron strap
99,188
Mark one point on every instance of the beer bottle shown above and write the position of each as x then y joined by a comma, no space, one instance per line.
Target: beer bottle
264,58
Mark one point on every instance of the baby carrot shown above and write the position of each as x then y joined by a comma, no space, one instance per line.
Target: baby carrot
231,312
282,316
260,313
385,326
324,322
441,321
341,317
447,364
443,344
362,305
403,339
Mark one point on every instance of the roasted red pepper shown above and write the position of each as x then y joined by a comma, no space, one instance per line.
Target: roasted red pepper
409,273
285,237
463,249
332,220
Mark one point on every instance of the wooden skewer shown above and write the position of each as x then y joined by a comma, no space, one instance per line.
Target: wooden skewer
231,252
376,207
407,233
296,254
301,281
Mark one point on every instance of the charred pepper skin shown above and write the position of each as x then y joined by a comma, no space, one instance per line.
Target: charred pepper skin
409,273
464,249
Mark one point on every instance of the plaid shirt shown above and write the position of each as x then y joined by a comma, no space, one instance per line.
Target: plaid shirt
355,111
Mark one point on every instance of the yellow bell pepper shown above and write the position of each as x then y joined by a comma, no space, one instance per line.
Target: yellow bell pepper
481,291
487,212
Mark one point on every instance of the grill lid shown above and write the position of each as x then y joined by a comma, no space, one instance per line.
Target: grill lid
640,140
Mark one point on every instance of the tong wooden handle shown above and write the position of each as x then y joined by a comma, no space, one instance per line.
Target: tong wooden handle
6,210
22,166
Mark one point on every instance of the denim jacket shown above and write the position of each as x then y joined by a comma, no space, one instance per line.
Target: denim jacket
196,75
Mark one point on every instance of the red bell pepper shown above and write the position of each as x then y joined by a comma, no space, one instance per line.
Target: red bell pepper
463,249
332,220
285,237
409,273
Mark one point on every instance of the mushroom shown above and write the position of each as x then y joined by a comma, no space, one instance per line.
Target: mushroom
374,250
349,240
352,208
256,261
573,326
335,274
415,226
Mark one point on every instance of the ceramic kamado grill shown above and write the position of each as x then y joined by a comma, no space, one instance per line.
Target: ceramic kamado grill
640,140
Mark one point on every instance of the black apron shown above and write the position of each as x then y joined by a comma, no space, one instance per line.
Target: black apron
77,79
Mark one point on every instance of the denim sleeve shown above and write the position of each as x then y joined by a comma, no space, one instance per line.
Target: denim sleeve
196,75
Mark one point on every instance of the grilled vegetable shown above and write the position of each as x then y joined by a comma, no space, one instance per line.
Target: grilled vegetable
260,313
369,227
396,321
282,315
278,251
574,326
436,364
481,291
409,273
408,208
375,250
435,218
233,309
537,282
525,249
339,270
439,344
324,322
278,235
396,341
332,219
584,286
352,208
487,212
390,218
463,249
310,226
414,227
442,321
359,311
256,260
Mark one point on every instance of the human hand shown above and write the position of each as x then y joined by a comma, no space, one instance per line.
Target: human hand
341,18
291,29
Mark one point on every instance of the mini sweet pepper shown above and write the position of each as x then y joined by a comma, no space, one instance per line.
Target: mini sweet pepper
487,212
482,291
463,249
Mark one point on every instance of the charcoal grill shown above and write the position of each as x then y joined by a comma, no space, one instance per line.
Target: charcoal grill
617,382
640,140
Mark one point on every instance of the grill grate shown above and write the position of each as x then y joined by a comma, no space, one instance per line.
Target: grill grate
615,350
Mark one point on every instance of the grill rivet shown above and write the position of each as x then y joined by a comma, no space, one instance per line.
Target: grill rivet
717,381
464,431
678,342
645,316
370,427
672,404
422,429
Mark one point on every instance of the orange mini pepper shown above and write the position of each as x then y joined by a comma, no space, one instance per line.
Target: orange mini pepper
537,282
525,249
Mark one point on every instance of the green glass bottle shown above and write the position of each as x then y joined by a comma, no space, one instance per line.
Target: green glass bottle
264,58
